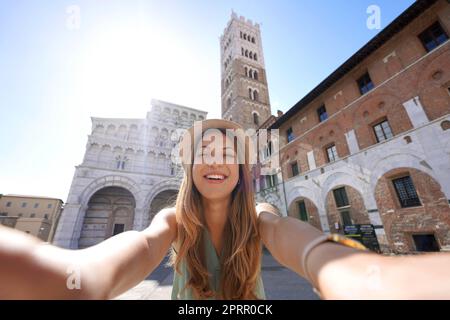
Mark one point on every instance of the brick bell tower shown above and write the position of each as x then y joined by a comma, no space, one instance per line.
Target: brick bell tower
245,96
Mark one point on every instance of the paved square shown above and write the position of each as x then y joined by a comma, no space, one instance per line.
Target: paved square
280,283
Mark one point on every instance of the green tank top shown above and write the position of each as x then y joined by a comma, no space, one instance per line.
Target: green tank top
179,290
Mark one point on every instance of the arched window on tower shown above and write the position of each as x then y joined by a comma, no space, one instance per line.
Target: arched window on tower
255,75
246,53
246,71
253,39
250,95
255,95
250,55
229,102
254,57
255,118
245,36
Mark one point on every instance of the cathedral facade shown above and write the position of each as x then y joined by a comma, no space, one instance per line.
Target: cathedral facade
126,177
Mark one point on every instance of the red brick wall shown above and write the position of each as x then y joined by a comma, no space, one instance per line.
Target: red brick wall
399,223
428,78
357,209
311,209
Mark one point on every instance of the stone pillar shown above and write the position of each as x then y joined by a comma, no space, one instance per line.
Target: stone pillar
352,142
64,236
415,112
311,160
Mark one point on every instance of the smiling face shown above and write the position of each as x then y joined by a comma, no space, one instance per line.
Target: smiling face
215,171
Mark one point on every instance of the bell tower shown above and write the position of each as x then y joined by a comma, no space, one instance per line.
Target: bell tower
245,95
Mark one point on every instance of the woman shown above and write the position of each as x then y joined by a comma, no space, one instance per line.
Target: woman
215,231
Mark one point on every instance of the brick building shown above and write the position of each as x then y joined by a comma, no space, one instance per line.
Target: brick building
371,143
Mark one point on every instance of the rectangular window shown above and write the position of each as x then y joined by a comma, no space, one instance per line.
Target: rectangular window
36,205
271,180
49,206
8,204
294,168
346,219
332,153
340,196
302,211
290,135
118,228
322,113
365,84
425,242
406,192
3,214
45,216
382,131
433,36
32,215
24,204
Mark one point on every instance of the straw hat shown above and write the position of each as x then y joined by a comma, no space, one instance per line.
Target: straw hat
192,135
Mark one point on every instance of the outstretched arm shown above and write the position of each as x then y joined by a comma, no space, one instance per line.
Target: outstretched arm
30,269
340,272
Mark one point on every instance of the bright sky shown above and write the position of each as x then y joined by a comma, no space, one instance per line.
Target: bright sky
55,73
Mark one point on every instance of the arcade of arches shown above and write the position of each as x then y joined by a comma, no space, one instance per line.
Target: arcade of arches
414,211
111,210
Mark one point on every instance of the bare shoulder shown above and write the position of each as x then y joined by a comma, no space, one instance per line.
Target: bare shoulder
163,222
168,214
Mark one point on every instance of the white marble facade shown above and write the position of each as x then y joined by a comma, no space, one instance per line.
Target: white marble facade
126,176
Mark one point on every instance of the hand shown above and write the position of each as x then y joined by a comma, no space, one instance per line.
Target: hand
266,207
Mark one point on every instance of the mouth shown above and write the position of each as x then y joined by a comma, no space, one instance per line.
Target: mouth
215,177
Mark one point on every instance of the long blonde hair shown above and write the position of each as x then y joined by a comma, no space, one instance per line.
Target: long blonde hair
241,259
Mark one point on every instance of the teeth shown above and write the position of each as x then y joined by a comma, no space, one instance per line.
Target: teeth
215,176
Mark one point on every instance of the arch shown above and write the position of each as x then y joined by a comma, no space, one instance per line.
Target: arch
170,184
311,209
254,57
256,117
339,178
255,95
108,181
398,160
99,128
255,74
355,208
304,192
246,53
114,208
110,130
431,216
432,89
161,200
